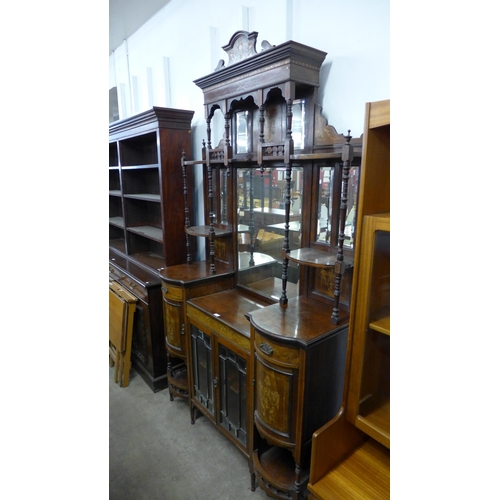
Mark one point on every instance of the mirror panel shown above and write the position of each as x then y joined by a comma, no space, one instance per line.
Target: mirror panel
242,132
298,120
352,196
261,229
325,203
223,177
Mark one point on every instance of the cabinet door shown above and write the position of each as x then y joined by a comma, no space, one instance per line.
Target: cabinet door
276,381
232,382
201,351
174,327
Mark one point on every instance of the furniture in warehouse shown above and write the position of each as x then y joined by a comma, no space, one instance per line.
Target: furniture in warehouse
121,321
280,169
146,222
351,453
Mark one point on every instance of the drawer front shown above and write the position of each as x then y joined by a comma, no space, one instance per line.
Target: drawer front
115,273
172,293
134,287
273,352
127,282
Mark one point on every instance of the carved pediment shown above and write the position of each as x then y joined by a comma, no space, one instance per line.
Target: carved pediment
242,46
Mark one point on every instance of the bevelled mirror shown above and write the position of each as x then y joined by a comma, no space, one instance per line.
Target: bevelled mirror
329,202
261,229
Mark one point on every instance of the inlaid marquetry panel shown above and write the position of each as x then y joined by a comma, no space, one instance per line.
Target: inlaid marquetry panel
268,349
173,324
273,398
219,327
173,293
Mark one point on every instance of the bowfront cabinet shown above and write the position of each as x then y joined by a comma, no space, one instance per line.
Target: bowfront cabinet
298,372
179,284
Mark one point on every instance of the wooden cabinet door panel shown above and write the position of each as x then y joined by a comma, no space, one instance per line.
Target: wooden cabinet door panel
274,388
174,327
233,381
203,379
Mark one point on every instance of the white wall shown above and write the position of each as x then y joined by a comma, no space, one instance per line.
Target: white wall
182,42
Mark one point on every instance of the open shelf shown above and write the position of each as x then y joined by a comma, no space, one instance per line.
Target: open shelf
204,231
316,258
150,232
117,221
374,419
178,376
149,259
144,196
365,473
381,321
140,167
117,244
275,468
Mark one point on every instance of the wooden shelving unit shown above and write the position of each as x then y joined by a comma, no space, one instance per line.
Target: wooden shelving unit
146,214
351,453
146,221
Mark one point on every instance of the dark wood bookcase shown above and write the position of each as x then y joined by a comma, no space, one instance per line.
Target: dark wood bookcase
146,221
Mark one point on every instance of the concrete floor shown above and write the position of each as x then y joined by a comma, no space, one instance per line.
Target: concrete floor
155,453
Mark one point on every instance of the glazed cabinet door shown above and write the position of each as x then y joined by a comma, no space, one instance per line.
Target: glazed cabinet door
232,382
203,375
276,390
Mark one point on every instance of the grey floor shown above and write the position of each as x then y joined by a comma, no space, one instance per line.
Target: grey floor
155,453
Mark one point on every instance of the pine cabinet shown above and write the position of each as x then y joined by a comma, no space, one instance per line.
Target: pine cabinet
351,453
368,404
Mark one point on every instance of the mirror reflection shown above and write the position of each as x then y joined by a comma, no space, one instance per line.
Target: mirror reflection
223,195
261,229
298,129
326,203
242,132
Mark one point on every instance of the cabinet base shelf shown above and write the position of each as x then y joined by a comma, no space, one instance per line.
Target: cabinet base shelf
274,471
365,473
178,381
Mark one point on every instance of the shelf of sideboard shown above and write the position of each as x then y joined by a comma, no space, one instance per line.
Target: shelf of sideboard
204,231
317,258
